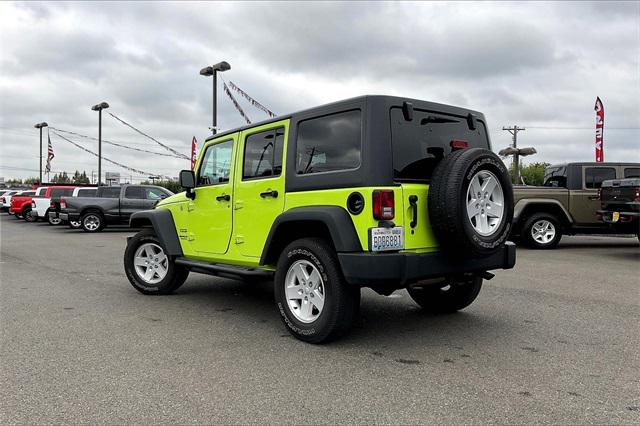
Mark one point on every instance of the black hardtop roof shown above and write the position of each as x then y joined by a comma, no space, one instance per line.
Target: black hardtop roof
390,100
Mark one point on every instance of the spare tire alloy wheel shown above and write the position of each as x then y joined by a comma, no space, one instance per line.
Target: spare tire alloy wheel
91,222
471,203
485,203
543,231
151,264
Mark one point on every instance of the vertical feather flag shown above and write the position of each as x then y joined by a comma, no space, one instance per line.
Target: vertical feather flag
50,155
599,108
194,152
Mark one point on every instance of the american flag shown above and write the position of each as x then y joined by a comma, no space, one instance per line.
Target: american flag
50,155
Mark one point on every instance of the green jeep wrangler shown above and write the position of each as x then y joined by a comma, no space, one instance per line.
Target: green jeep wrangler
375,191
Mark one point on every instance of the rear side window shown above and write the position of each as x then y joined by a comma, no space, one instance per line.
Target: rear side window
329,143
40,191
154,194
263,154
86,193
134,193
215,167
555,176
61,192
113,192
594,176
420,144
632,172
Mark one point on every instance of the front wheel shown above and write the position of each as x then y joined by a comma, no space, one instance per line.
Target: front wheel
315,302
92,222
446,295
148,268
542,231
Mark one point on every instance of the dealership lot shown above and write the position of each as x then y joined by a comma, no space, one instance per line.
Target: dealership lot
554,340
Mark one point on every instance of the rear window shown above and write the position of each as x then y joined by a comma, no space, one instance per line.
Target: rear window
594,176
87,192
110,192
555,176
329,143
420,144
134,193
632,172
61,192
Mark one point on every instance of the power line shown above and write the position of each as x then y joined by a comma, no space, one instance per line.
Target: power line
131,169
147,136
115,143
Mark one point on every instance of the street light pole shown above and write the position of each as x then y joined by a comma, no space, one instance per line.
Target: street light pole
40,126
99,107
213,72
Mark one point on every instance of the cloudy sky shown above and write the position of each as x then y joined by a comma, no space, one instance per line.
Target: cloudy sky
537,65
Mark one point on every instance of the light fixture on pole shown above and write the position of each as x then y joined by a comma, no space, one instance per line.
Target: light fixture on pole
99,107
213,72
40,126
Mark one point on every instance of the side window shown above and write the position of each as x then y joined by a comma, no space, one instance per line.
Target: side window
329,143
154,194
111,192
41,191
263,154
632,172
86,193
61,192
215,167
134,193
594,176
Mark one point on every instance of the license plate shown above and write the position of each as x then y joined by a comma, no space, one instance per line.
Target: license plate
386,239
615,217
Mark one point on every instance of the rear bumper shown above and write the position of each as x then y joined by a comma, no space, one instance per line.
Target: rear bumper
53,215
69,216
365,269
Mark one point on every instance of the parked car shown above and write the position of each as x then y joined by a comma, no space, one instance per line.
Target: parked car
620,200
5,200
21,204
112,204
567,203
375,191
54,205
40,204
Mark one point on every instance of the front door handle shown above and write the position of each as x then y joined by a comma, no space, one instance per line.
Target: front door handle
224,197
273,194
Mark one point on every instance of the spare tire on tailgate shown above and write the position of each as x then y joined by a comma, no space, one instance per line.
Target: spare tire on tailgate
471,202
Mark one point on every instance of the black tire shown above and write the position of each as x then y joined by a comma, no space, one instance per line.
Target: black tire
175,277
527,232
341,302
448,296
74,224
92,221
29,216
448,193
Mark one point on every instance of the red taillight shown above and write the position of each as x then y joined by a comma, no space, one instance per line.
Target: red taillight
63,203
383,205
52,205
637,196
459,144
2,200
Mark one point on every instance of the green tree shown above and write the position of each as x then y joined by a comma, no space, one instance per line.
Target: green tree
532,174
31,180
171,185
14,182
61,178
80,178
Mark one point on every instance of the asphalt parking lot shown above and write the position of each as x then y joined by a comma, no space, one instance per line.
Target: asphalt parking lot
556,340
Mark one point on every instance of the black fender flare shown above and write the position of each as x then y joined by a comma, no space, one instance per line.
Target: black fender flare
161,220
337,220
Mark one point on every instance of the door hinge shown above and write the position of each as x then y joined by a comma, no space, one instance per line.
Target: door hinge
239,239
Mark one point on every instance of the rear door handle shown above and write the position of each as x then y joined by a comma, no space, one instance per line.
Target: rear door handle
224,197
273,194
413,200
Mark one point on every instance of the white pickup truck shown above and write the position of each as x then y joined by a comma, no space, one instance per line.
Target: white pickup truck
42,201
5,199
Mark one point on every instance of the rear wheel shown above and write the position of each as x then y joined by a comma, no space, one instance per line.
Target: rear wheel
29,215
542,231
148,268
92,222
446,295
53,220
315,302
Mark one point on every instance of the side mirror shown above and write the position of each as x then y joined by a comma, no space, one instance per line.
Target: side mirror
188,182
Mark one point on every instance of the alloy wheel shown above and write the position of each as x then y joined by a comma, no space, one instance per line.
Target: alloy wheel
91,222
543,231
304,291
151,263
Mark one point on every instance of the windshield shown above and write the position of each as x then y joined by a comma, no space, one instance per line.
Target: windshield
420,144
555,176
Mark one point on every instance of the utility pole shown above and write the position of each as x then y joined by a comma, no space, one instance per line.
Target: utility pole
516,154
